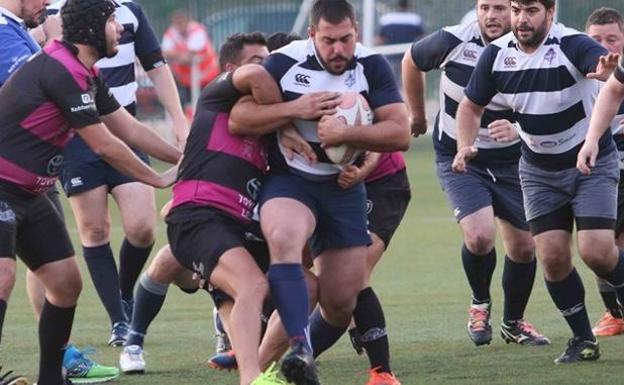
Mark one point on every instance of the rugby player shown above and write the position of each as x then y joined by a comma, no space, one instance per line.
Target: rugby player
212,206
60,94
490,189
301,200
606,26
546,74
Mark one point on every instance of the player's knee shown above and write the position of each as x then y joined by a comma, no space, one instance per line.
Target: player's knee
479,243
164,268
254,289
141,233
66,290
95,233
601,257
556,264
522,251
285,245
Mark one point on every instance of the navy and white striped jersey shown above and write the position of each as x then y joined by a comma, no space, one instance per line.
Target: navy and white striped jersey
617,126
297,70
138,40
548,91
456,51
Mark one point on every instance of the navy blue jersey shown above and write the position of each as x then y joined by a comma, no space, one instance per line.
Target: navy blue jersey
17,44
456,51
547,89
297,70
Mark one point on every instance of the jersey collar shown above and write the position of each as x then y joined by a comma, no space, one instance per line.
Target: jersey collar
5,12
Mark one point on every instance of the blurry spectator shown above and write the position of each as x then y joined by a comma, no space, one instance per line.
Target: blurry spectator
186,42
401,26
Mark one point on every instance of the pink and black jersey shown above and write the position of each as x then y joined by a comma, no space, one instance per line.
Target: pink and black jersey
40,107
389,164
219,169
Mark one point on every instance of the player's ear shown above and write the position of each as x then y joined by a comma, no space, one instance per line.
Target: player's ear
229,67
311,31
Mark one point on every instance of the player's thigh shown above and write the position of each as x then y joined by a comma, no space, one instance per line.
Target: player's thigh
164,268
237,274
61,280
341,275
137,206
287,224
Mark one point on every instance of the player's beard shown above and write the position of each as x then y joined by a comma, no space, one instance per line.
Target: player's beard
539,34
34,22
330,70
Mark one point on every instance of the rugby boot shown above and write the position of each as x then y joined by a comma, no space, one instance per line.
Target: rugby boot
131,360
223,361
579,350
269,377
10,378
608,326
119,334
479,324
82,370
522,333
382,378
298,365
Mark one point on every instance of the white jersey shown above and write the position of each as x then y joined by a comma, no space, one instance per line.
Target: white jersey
298,70
548,91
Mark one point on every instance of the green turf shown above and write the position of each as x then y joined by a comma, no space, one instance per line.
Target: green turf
425,295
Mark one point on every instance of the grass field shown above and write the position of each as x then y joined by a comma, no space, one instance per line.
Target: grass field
425,296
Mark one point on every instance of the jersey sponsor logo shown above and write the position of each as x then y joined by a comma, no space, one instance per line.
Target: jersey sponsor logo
253,188
550,55
456,212
6,213
77,181
369,206
510,62
86,98
82,108
54,164
302,80
470,54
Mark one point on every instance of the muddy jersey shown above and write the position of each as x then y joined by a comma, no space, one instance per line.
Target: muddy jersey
389,164
41,106
220,169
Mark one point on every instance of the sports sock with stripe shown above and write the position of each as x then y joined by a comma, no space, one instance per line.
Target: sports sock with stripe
149,298
569,297
371,323
323,335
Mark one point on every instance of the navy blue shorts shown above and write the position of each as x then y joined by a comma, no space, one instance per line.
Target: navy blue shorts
497,186
387,201
83,170
340,214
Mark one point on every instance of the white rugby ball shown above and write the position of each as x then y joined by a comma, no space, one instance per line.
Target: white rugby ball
354,111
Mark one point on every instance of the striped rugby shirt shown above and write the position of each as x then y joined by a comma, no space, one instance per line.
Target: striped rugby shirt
456,50
548,91
297,70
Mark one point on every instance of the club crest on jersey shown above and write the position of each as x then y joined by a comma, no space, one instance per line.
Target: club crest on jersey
6,213
550,55
54,164
253,188
302,80
350,80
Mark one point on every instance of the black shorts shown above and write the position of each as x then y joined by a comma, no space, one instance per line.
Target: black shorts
386,203
31,227
200,235
82,173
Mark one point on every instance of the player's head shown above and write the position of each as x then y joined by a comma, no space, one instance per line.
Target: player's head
242,48
179,20
494,18
606,26
531,20
333,27
92,23
33,12
279,39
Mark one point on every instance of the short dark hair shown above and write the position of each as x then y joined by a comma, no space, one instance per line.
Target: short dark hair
279,39
548,4
603,16
234,45
332,11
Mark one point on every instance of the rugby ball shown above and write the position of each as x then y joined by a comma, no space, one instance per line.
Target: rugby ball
354,111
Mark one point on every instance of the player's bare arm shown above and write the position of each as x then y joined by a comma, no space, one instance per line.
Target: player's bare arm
139,135
265,112
414,86
119,155
468,120
610,98
390,132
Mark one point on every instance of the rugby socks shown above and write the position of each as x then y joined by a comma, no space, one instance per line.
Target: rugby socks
131,262
518,281
616,277
371,324
609,298
104,274
569,297
479,270
55,327
323,335
3,307
149,298
290,296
